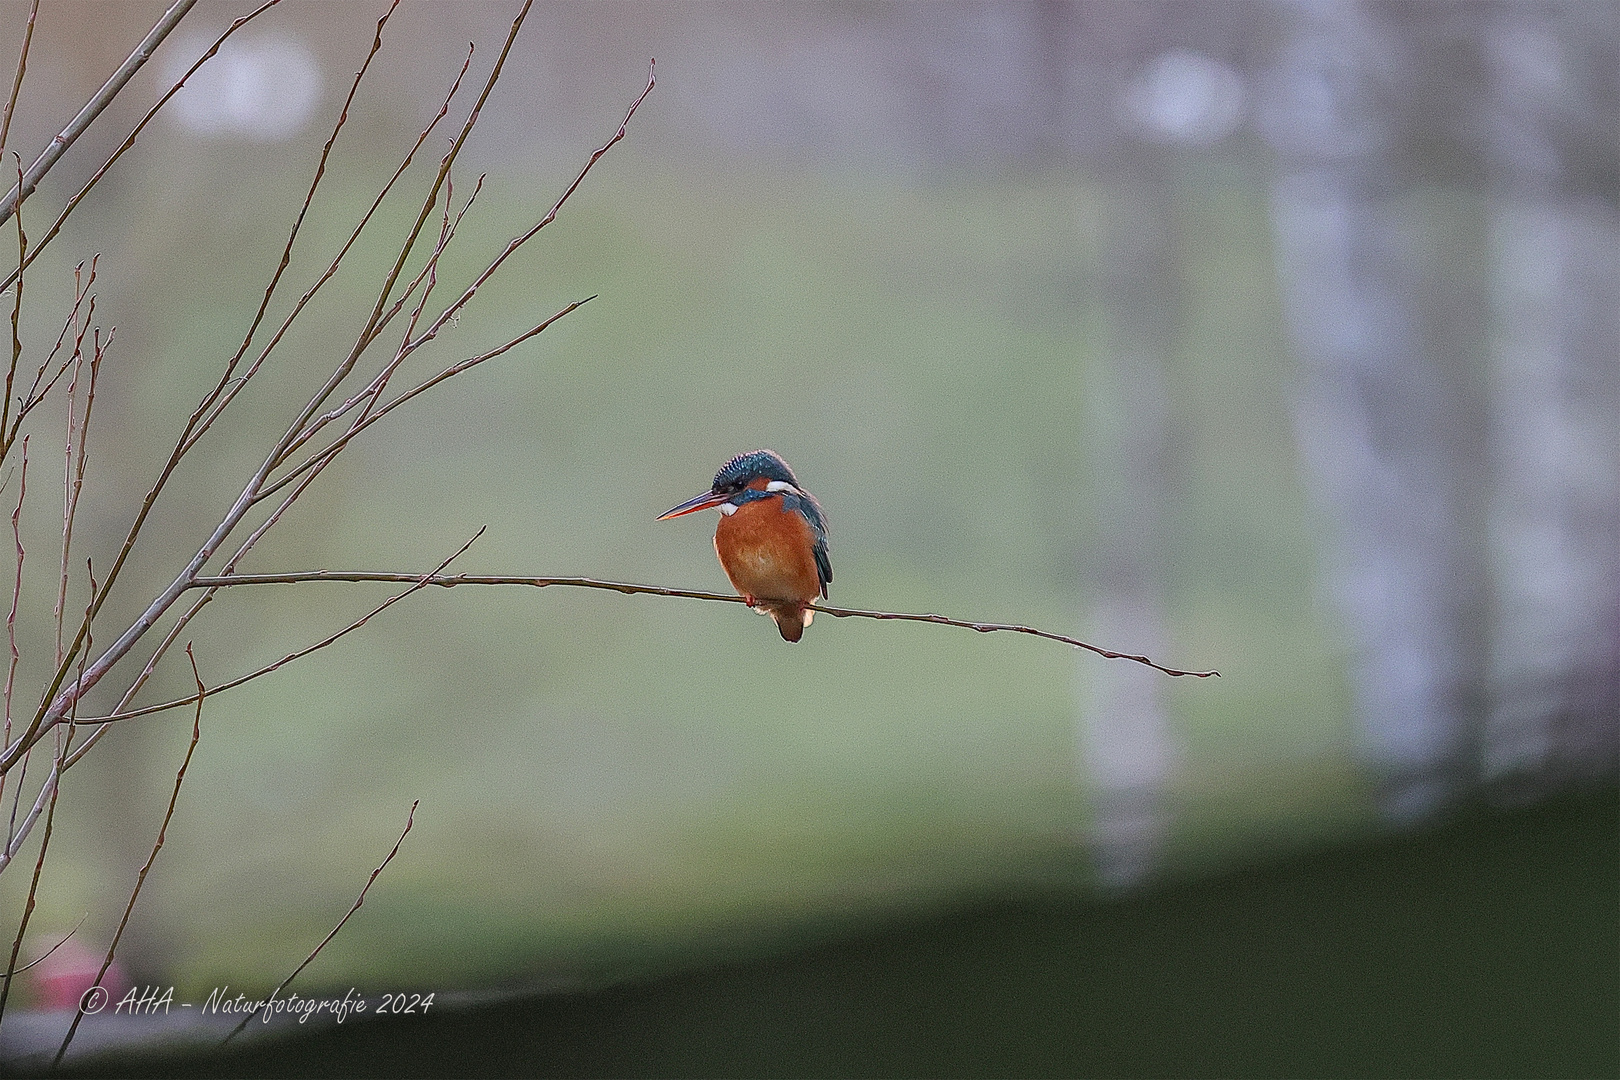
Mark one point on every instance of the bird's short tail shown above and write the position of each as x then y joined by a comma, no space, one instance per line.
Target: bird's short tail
791,619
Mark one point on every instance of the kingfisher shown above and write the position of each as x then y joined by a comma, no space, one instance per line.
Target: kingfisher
771,540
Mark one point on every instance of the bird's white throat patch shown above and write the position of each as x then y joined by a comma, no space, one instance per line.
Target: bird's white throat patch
728,508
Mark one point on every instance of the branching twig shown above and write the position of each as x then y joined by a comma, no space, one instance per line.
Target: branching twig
35,395
452,311
410,820
658,590
419,581
54,702
58,698
33,884
16,310
46,955
52,787
228,387
320,459
73,472
157,846
16,83
92,108
11,624
205,414
79,197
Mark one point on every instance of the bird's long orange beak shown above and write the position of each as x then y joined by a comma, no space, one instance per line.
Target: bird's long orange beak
694,504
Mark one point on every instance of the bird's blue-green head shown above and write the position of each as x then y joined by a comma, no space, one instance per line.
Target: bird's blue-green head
757,470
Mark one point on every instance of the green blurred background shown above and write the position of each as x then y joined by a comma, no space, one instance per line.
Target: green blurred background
1038,353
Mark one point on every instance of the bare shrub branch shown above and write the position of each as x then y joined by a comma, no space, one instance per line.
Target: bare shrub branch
11,617
33,887
157,846
58,700
79,197
16,83
92,108
410,819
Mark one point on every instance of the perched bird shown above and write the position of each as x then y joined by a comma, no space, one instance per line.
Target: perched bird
772,537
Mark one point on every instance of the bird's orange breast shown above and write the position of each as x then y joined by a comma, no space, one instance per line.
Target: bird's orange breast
767,552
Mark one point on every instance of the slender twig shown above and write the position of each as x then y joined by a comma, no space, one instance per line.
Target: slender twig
659,590
11,624
35,395
319,459
57,700
79,197
447,581
157,846
201,419
33,887
54,783
410,820
374,389
16,311
93,108
22,66
421,581
21,830
73,473
46,955
228,387
454,309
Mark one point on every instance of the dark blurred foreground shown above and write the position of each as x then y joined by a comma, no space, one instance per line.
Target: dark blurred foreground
1487,946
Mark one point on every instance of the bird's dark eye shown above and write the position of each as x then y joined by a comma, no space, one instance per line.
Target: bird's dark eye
728,489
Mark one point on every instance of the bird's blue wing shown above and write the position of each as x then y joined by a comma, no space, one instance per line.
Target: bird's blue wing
806,505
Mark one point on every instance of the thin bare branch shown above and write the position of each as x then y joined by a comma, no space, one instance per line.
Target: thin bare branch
35,395
33,888
16,311
225,381
454,309
379,382
410,820
656,590
19,832
46,955
11,617
92,108
73,203
421,581
56,701
54,784
157,846
16,83
321,458
73,473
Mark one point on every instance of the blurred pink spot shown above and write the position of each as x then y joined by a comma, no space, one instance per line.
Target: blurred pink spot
60,980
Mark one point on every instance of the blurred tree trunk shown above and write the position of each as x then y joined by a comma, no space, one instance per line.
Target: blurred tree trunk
1457,422
1128,749
1555,517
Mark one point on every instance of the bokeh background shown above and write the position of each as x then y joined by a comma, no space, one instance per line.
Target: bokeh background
1274,338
